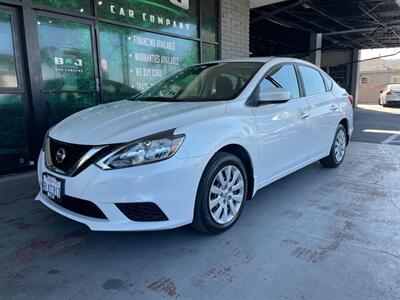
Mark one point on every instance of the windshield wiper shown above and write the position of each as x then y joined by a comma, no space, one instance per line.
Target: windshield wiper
134,96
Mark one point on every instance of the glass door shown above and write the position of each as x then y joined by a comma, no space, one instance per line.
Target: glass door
68,69
13,138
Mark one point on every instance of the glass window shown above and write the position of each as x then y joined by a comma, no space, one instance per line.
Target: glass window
283,77
8,73
209,82
13,146
66,55
67,67
78,6
133,60
209,20
210,52
328,82
312,80
173,16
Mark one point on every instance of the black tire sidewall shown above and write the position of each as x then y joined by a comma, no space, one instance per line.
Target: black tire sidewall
218,162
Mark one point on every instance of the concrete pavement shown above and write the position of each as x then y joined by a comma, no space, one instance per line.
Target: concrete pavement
317,234
377,124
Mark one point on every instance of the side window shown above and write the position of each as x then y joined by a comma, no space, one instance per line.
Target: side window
283,77
328,82
312,80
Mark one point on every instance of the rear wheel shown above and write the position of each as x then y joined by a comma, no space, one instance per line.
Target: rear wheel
338,149
221,194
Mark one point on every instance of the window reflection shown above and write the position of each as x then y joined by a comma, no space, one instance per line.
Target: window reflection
8,74
81,6
13,146
209,20
66,55
67,67
133,60
210,52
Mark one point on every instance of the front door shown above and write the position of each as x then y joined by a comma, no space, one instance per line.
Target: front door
68,69
13,103
283,128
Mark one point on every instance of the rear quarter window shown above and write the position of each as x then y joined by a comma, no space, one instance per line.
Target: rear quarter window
328,82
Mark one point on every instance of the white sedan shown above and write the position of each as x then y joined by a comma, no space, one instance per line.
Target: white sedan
194,147
390,95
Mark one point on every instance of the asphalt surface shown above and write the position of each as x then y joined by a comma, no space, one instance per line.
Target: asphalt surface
377,124
316,234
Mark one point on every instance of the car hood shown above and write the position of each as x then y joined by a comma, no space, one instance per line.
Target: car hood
126,120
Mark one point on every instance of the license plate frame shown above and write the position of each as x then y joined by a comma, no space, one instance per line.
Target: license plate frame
53,187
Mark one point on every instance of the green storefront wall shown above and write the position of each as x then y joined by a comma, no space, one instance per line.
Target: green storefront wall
91,53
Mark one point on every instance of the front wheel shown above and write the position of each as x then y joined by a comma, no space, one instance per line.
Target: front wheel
221,194
338,149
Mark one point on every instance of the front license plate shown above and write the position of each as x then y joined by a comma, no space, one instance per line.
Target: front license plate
52,187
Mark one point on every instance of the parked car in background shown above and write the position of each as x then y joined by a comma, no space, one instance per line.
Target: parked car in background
194,147
390,95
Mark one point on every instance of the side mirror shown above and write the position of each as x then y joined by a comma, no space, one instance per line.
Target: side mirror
274,95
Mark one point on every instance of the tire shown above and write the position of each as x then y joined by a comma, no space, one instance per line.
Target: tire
333,160
208,203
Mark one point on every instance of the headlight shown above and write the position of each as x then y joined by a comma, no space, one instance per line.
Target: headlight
46,139
143,151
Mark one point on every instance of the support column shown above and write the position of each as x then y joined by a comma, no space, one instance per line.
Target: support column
355,75
315,48
234,28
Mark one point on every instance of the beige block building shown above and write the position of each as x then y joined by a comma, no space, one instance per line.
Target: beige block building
374,75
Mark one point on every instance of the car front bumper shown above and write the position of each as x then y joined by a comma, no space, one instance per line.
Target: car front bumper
392,103
171,185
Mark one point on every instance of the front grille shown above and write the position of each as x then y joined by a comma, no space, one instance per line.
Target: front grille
82,207
73,153
142,212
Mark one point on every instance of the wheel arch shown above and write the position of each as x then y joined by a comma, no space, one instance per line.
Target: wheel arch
244,156
345,124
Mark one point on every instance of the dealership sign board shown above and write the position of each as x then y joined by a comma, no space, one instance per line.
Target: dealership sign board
173,16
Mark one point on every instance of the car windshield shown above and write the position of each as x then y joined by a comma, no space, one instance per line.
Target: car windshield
208,82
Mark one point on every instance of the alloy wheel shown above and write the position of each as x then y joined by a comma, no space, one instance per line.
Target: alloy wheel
226,194
340,145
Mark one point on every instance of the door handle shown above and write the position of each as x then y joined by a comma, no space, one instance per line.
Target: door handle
303,115
334,107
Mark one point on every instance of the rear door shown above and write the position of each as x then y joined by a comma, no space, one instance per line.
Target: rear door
283,128
324,110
